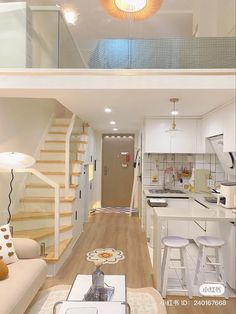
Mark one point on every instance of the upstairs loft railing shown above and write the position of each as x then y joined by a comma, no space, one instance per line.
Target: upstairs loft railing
43,39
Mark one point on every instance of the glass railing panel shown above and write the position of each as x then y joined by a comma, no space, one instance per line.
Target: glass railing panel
164,53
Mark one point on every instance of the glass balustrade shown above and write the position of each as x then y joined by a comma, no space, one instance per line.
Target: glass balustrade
45,40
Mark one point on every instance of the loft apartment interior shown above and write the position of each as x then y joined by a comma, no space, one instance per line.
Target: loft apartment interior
117,157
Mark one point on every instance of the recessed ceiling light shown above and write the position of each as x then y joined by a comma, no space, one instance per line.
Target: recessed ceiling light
174,112
108,110
112,122
70,16
130,5
115,129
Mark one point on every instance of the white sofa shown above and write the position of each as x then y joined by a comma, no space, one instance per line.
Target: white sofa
25,278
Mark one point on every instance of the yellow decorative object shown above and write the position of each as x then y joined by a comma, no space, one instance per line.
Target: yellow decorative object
112,8
3,270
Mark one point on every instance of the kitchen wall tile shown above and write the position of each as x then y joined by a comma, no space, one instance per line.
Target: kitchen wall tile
207,167
213,158
207,159
220,177
146,181
199,165
219,168
199,158
178,158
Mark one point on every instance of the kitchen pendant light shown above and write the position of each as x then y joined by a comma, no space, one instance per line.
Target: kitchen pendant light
174,112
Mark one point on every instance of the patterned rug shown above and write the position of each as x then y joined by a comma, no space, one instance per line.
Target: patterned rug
141,301
105,256
115,210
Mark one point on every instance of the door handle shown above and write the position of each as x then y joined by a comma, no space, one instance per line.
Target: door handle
105,170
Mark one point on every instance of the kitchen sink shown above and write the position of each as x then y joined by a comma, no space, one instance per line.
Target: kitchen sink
165,191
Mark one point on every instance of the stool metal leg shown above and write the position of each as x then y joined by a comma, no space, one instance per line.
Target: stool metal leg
217,266
222,271
203,265
166,272
182,265
163,263
199,258
188,282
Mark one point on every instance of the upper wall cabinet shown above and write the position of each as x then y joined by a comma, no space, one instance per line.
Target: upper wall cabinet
221,121
230,128
158,140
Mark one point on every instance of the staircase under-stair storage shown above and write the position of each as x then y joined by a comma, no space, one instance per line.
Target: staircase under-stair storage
60,162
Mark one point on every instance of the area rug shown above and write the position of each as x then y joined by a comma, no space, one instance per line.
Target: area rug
115,210
105,256
141,301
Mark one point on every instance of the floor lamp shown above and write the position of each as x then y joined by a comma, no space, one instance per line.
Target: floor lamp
11,161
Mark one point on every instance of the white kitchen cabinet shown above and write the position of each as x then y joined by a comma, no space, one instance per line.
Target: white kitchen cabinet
221,121
230,128
177,227
158,140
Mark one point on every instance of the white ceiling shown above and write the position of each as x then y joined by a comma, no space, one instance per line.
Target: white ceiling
129,107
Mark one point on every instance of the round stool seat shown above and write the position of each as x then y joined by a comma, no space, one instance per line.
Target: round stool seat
175,242
210,241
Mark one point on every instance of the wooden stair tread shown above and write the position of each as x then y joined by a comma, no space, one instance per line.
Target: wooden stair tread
64,133
38,234
59,151
46,186
49,161
30,199
59,125
59,173
63,142
37,215
63,245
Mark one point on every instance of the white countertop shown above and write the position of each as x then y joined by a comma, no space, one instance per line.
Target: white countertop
194,212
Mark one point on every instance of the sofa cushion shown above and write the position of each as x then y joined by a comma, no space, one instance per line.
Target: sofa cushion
26,248
24,280
3,270
7,250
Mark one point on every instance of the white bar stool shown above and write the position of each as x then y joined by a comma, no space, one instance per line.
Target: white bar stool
171,242
216,244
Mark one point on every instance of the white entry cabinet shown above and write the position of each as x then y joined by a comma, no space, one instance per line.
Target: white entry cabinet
158,140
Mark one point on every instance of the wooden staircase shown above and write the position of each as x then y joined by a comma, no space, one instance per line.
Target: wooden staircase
35,217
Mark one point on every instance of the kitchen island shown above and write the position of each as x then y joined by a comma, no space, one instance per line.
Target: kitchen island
192,212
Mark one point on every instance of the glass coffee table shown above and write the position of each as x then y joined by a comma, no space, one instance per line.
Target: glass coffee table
75,303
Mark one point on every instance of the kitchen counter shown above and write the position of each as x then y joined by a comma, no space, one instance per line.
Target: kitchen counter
191,212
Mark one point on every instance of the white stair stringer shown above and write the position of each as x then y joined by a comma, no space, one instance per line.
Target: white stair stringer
35,217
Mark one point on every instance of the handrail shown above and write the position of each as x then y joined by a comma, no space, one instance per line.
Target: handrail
67,155
57,202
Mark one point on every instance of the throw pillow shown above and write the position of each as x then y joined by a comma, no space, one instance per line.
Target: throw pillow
7,251
3,270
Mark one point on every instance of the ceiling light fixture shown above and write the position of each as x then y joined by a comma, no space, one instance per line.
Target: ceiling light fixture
174,113
130,5
115,129
107,110
112,122
70,16
131,9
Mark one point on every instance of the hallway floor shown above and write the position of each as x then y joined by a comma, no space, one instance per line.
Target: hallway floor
118,231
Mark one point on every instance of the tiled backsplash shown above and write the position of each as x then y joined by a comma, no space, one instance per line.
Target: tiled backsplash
155,165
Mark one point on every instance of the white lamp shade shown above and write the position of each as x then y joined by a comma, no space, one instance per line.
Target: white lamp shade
15,160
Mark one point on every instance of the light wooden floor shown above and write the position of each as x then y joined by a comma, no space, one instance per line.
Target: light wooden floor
123,233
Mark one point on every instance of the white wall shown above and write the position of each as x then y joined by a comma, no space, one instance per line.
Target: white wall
13,35
45,39
215,18
22,124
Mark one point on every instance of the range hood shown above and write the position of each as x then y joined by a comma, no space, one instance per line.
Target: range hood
227,159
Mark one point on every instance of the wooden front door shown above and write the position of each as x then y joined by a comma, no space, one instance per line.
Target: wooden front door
117,170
